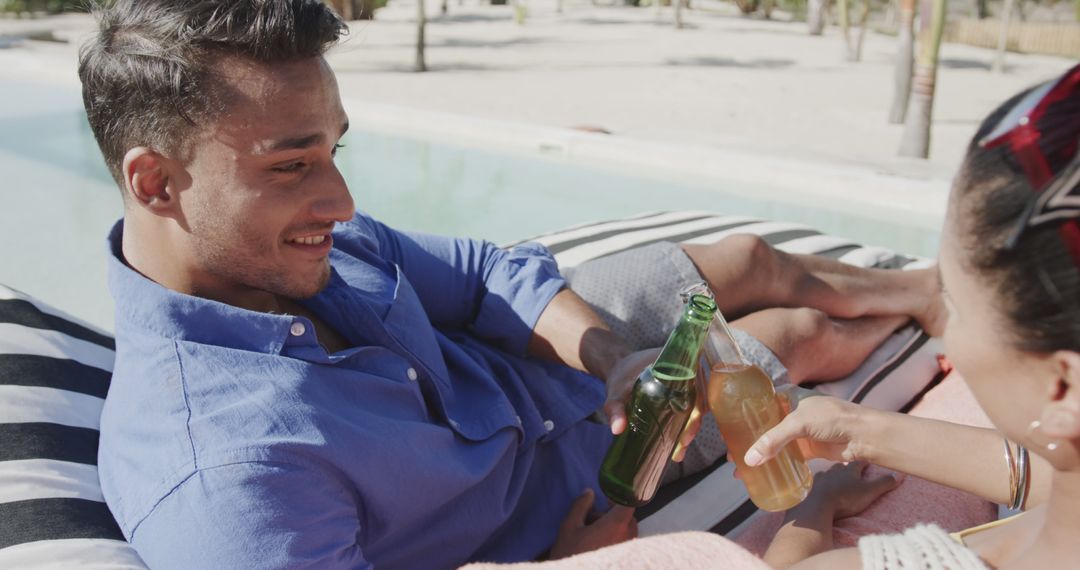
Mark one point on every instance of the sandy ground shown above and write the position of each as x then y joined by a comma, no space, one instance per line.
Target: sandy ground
725,81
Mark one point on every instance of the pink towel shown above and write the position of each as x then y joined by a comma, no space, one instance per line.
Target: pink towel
660,552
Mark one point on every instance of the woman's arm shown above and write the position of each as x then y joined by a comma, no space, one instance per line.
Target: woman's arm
963,457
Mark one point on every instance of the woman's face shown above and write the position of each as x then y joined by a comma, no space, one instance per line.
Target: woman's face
1008,383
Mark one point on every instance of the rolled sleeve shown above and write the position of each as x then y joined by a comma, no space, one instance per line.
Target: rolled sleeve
497,294
519,285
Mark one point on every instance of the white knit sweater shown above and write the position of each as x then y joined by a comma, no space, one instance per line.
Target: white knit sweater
925,547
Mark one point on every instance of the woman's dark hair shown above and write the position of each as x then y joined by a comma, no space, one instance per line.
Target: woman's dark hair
148,74
1036,282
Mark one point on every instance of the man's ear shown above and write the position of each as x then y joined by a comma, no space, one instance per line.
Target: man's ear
147,177
1061,413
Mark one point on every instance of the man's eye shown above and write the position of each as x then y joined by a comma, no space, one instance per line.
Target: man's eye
293,167
336,148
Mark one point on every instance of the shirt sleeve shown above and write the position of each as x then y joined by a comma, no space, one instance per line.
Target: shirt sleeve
253,515
497,293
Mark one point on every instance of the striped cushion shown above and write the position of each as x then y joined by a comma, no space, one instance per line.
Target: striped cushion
54,373
893,378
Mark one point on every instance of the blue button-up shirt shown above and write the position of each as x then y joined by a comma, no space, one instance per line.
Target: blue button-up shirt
232,439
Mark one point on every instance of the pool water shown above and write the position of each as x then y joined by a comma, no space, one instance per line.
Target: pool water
57,200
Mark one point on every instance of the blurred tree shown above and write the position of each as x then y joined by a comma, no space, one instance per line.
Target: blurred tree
1003,37
421,23
915,141
356,9
816,12
905,60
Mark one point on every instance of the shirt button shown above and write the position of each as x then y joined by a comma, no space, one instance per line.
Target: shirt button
297,329
454,424
411,373
518,419
549,425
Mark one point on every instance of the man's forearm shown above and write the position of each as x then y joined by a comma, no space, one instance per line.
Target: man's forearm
570,332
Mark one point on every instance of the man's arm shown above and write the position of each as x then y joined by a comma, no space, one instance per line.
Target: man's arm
570,332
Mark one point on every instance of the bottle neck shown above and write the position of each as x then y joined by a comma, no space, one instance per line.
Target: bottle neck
678,358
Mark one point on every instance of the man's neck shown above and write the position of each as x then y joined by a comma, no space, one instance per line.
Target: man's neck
155,259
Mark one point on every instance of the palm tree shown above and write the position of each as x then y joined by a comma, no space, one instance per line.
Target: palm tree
905,60
815,16
916,138
421,23
1003,37
844,21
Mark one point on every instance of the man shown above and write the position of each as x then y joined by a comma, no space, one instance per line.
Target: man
297,385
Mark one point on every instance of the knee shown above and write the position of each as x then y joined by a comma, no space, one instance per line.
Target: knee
748,254
749,248
809,326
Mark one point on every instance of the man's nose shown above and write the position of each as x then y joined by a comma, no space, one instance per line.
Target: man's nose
335,202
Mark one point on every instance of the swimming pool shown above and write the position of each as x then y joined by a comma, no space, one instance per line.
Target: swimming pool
57,200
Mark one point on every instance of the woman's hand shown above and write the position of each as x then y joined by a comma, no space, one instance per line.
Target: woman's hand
827,427
844,491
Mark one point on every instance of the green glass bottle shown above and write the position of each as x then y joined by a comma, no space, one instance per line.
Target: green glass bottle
659,406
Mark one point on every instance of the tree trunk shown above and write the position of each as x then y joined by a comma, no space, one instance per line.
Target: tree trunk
845,28
905,60
982,9
678,14
862,29
362,9
520,11
1003,37
443,9
343,8
815,16
421,23
916,137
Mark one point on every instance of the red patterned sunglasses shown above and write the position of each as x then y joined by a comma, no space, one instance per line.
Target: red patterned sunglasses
1042,132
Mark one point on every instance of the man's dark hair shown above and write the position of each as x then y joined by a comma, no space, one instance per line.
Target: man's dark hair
1037,282
147,75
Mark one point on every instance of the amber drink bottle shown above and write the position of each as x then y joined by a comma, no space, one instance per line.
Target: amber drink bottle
745,406
660,404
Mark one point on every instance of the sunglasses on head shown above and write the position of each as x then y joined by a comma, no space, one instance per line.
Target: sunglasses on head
1046,145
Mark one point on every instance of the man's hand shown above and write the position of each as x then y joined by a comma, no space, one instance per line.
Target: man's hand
620,384
578,533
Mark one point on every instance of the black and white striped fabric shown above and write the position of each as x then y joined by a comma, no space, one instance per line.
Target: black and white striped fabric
54,373
893,378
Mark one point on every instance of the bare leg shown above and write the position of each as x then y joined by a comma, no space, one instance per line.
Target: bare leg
749,275
815,347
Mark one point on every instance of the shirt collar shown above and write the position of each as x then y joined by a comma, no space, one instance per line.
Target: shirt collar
142,304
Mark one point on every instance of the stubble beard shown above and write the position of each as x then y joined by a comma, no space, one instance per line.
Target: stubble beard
253,266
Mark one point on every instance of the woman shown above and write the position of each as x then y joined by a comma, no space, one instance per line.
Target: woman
1010,274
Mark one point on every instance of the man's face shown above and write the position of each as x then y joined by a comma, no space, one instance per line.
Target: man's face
264,191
